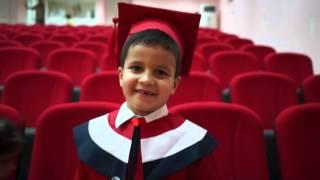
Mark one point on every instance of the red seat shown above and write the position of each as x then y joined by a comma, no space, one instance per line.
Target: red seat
9,43
98,38
197,87
199,64
15,59
265,93
27,39
205,39
223,37
54,151
30,93
226,65
68,39
45,47
76,63
297,134
239,43
209,49
102,87
260,51
311,89
296,66
12,115
98,48
241,152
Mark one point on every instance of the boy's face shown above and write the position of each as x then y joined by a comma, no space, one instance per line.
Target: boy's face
147,78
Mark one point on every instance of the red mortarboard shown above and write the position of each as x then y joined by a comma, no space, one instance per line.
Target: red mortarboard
180,26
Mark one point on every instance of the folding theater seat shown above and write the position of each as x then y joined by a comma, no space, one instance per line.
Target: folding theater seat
265,93
98,38
9,43
226,65
205,39
197,87
311,89
98,48
68,39
45,47
260,51
30,93
15,59
27,39
239,43
2,36
54,155
76,63
241,152
102,87
297,135
297,66
223,37
199,64
10,114
209,49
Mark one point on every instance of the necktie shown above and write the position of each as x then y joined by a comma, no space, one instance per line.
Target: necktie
135,163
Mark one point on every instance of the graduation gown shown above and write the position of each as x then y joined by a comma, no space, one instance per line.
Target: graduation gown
171,148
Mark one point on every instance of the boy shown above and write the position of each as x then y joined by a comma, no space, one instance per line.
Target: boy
142,140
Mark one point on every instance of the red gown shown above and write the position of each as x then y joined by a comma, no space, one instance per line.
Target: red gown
171,148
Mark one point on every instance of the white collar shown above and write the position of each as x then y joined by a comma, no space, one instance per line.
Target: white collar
125,113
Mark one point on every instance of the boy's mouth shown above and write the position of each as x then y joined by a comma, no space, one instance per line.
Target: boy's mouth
145,92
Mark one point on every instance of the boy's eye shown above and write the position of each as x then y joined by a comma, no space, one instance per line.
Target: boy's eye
162,73
135,68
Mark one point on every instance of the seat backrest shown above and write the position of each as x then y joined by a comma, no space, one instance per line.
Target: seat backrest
45,47
197,87
199,64
297,135
102,87
226,65
265,93
30,93
239,43
76,63
311,89
297,66
54,151
209,49
98,48
12,115
9,43
27,39
98,38
68,39
260,51
222,37
14,59
241,150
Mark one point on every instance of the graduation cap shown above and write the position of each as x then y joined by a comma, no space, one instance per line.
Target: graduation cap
180,26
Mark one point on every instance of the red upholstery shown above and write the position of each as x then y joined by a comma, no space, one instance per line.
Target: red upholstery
297,134
27,39
209,49
260,51
296,66
14,59
197,87
98,38
223,37
30,93
199,64
102,87
226,65
205,39
45,47
241,151
54,155
265,93
3,37
311,89
10,114
98,48
76,63
239,43
68,39
9,43
110,62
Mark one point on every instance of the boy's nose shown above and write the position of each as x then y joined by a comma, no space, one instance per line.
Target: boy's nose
146,78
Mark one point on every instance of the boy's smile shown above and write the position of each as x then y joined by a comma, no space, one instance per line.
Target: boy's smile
147,78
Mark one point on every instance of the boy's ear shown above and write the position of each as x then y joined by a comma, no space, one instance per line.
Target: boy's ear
120,73
175,84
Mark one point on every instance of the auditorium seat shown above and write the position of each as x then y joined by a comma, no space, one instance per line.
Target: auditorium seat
197,87
98,38
260,51
311,89
297,135
241,152
15,59
199,64
45,47
295,65
30,93
9,43
54,155
265,93
102,87
27,39
68,39
10,114
76,63
238,43
209,49
226,65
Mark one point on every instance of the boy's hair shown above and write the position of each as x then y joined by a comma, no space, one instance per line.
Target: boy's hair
11,139
152,37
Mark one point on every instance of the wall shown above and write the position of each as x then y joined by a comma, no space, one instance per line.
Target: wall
287,25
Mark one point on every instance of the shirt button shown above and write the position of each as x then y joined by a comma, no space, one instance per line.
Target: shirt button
115,178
